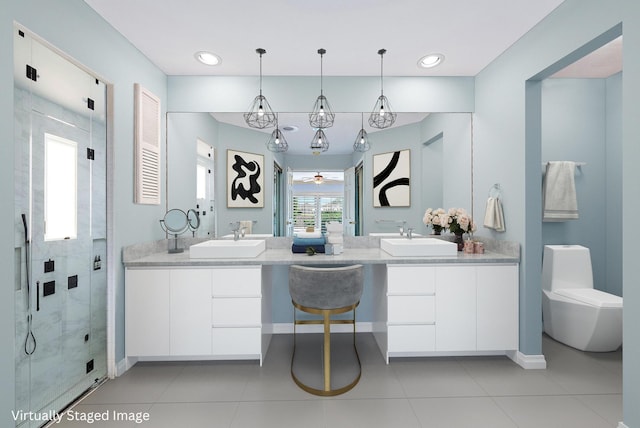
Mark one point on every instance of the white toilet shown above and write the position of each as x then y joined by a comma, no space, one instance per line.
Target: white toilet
574,312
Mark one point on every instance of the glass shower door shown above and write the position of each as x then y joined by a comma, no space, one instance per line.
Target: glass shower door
61,203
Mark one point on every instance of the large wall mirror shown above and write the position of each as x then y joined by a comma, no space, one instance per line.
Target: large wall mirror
439,165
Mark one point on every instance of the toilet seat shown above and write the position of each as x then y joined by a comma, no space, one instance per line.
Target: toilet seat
591,297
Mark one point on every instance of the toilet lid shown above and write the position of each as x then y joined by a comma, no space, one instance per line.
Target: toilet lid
592,297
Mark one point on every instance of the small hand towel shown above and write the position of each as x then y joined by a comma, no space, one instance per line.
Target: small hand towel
335,238
494,216
559,201
317,234
308,241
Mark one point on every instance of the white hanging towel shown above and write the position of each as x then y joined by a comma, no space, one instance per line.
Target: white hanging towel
559,199
493,215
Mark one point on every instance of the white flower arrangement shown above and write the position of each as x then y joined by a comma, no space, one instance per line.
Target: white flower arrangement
460,221
457,220
437,219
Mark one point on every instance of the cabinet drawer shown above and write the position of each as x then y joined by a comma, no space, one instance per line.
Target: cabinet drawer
233,312
410,309
412,338
237,281
410,279
236,341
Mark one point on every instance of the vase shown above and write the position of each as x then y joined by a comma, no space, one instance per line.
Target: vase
437,230
458,240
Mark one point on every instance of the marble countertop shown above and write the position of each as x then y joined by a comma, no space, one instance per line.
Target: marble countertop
282,256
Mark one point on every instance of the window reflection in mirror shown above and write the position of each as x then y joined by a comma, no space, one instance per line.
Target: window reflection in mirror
439,177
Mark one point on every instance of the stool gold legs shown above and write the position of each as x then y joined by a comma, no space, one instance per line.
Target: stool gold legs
326,321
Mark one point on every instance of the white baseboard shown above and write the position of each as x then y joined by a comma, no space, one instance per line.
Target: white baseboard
287,328
125,364
622,425
529,362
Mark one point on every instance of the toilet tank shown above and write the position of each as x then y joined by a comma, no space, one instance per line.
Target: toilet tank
566,266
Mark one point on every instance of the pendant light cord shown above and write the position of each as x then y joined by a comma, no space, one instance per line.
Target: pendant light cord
381,52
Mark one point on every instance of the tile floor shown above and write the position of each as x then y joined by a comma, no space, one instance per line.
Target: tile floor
577,390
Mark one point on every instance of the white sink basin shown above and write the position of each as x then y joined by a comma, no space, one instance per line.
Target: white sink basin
403,247
227,249
391,234
251,236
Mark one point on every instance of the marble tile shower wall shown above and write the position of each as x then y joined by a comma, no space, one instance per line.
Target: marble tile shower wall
70,327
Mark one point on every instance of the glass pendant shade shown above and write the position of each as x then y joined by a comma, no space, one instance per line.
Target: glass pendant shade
319,143
362,139
277,142
322,116
260,115
362,142
382,116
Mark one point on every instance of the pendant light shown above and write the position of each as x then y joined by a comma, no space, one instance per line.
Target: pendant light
362,140
260,114
277,142
319,143
322,116
382,116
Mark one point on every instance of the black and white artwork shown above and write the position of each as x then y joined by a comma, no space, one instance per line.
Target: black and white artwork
391,176
245,180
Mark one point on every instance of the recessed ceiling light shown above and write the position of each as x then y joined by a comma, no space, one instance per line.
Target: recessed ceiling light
431,60
208,58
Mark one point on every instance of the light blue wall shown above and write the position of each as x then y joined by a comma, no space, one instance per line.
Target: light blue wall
296,94
78,31
507,150
577,125
613,197
630,210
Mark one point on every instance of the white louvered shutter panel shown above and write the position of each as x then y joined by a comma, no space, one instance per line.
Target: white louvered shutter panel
147,147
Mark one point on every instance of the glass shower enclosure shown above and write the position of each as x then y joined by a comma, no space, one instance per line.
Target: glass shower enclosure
60,230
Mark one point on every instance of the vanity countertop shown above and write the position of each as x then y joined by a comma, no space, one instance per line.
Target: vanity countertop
278,256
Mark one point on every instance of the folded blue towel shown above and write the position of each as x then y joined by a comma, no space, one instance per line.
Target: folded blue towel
308,241
303,248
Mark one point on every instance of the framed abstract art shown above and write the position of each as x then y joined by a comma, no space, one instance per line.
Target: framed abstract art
245,180
391,179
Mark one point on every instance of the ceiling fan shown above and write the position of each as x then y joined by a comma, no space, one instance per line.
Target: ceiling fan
320,178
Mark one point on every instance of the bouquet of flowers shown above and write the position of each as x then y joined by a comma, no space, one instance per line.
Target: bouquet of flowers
459,221
437,219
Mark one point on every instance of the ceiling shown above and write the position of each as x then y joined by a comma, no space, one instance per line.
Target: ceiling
469,33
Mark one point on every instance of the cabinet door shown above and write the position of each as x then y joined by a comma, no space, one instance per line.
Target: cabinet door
456,308
190,312
497,288
147,303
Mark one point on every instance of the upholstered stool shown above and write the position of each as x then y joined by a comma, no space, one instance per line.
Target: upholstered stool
326,291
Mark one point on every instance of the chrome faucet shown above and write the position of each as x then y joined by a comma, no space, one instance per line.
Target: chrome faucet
403,227
410,233
237,230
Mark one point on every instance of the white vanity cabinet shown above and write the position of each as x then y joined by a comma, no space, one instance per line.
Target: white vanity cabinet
191,313
451,309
